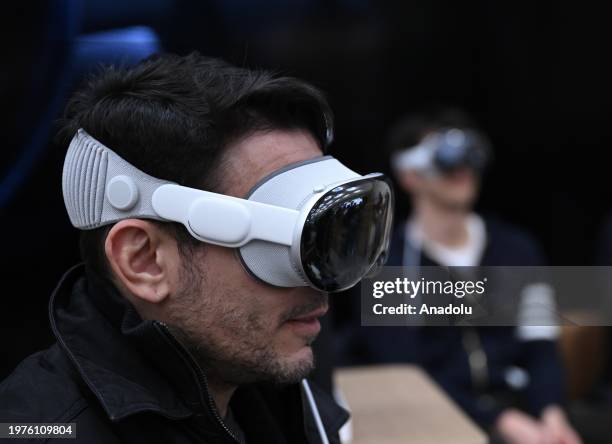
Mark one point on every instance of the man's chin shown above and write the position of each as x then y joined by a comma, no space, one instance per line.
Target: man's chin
303,355
453,203
297,366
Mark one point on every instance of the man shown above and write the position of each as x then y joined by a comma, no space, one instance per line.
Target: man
192,318
508,380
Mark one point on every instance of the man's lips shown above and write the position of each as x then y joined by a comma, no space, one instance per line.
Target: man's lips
319,312
308,324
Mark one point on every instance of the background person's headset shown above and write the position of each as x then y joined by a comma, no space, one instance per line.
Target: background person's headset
445,151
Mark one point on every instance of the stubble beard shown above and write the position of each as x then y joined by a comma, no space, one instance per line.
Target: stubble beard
229,345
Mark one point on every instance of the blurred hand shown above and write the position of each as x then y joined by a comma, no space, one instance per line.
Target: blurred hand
516,427
557,427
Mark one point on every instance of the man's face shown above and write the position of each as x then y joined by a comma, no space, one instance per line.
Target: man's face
241,329
458,189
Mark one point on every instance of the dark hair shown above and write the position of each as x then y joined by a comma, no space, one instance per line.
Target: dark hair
172,117
410,129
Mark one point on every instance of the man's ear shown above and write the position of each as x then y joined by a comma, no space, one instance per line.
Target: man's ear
143,258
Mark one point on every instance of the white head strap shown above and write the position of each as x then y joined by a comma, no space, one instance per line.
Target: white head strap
99,186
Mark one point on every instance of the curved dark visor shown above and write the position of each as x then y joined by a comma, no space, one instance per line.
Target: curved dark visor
346,233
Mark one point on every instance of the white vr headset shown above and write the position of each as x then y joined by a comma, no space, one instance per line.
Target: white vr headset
314,223
444,151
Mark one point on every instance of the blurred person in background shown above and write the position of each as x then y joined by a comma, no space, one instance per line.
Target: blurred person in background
509,380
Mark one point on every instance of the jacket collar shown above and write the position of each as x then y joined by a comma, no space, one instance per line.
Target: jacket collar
125,361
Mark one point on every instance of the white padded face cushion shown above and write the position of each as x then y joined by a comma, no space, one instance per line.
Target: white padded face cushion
290,187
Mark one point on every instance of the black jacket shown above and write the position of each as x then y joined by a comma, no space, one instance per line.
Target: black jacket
122,379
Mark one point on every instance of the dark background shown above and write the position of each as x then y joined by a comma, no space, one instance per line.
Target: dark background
535,76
